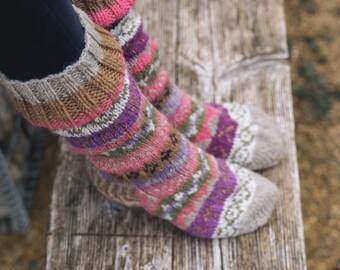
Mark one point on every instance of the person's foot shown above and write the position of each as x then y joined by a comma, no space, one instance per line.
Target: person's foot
237,202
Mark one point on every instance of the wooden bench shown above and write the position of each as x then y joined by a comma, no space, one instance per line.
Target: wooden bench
219,50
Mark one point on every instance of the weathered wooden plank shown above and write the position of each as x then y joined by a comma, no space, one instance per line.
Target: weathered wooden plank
194,253
218,36
233,30
116,252
217,50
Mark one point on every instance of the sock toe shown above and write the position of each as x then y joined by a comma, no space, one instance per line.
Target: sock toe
258,142
261,207
268,148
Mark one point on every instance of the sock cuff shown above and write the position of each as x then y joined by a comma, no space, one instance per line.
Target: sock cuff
105,12
81,92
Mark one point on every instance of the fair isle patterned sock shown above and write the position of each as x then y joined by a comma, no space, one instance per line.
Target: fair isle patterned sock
138,157
239,133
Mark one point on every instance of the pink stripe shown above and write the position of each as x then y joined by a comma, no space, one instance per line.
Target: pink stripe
137,159
144,59
109,15
170,186
157,86
205,133
182,113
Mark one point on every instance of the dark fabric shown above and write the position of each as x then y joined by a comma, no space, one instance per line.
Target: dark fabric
38,37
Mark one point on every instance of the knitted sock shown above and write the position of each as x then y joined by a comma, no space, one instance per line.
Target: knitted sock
133,149
239,133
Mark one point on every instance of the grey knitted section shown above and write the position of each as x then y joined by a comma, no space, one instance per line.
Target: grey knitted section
269,147
262,205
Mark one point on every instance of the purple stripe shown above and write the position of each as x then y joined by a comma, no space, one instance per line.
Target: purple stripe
209,215
223,139
136,45
173,103
117,128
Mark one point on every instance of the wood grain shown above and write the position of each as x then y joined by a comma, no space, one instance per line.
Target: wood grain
217,50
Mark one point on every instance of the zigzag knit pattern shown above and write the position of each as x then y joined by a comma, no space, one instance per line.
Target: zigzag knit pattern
137,156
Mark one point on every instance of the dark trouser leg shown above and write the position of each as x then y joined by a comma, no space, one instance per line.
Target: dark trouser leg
38,38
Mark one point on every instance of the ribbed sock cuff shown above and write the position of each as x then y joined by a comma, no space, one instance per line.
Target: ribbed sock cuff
81,92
